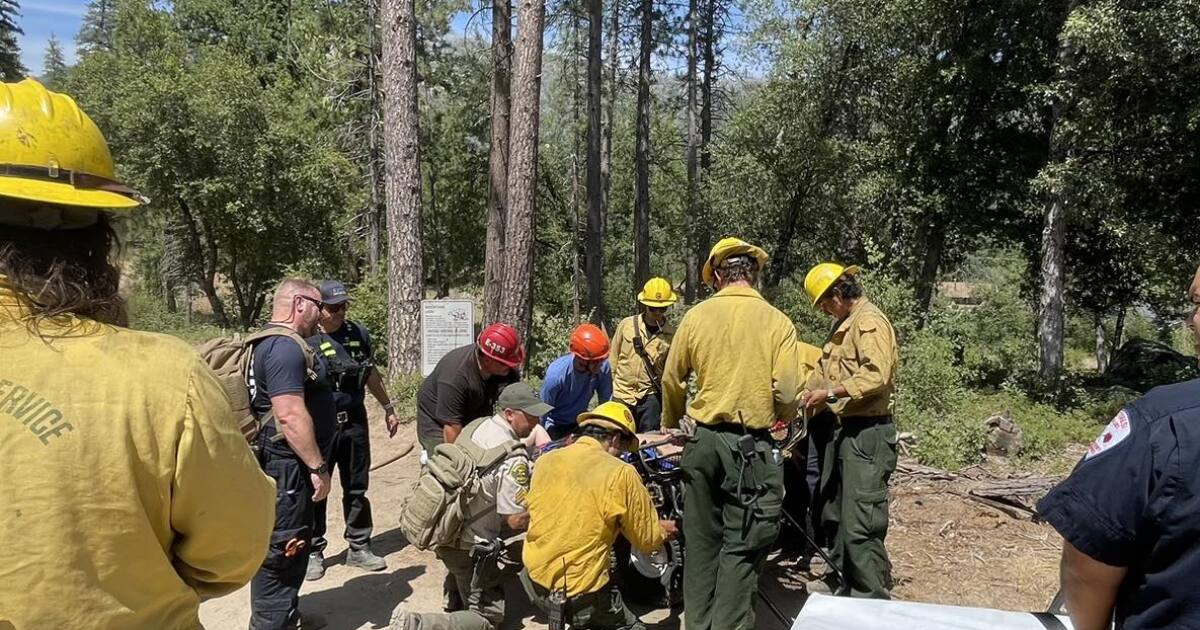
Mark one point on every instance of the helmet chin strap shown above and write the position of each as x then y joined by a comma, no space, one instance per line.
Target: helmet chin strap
45,217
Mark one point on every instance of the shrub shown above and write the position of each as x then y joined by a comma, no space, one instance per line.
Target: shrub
149,313
368,306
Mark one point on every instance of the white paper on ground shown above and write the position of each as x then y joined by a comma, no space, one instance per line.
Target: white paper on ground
823,612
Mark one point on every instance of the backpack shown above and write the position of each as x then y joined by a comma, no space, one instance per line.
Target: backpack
435,511
230,357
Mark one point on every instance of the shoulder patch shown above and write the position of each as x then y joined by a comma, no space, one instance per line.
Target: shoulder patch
1113,434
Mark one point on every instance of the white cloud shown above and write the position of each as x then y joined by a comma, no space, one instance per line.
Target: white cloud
65,8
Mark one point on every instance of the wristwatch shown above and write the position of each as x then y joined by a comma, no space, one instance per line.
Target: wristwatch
323,469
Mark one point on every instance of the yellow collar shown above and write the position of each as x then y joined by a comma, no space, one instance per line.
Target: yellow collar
739,292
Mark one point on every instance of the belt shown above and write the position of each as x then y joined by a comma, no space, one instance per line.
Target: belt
863,422
737,429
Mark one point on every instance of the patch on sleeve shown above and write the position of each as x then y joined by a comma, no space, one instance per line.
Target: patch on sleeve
1113,434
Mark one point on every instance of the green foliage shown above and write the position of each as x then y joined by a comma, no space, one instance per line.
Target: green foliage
11,68
368,306
148,312
54,66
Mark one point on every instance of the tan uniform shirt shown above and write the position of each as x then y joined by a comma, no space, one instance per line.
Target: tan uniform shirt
631,379
860,355
130,495
745,356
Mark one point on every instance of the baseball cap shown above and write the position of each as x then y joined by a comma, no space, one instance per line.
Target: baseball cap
333,292
521,395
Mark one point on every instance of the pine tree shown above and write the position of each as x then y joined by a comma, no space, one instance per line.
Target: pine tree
96,31
54,66
10,52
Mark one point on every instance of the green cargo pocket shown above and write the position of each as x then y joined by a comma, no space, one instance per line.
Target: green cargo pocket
870,514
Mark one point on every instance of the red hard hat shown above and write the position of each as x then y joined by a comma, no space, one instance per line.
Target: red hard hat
589,343
502,343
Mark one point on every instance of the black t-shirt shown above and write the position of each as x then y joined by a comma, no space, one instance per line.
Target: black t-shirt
279,368
456,391
1134,501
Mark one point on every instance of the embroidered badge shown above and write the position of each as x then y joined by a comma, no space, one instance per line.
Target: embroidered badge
1116,431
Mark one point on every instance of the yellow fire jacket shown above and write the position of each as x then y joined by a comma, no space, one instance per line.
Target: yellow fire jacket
129,493
580,499
861,355
745,356
631,379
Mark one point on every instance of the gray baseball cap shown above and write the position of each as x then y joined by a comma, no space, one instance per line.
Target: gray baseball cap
333,292
521,395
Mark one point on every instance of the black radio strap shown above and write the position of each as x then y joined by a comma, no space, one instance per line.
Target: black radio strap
640,348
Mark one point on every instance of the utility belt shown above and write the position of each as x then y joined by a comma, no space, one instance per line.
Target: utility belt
864,422
737,429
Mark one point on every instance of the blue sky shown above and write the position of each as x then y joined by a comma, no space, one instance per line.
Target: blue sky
40,18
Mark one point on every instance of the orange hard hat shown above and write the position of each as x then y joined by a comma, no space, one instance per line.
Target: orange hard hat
589,343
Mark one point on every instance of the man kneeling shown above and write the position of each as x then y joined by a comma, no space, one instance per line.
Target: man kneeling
582,496
497,509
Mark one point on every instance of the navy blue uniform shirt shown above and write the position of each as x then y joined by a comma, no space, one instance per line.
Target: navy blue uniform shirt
1132,502
279,368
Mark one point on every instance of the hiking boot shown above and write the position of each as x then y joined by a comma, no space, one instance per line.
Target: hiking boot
404,620
316,566
310,621
365,559
819,586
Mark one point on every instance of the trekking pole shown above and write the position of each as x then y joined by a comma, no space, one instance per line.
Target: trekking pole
784,619
837,572
405,450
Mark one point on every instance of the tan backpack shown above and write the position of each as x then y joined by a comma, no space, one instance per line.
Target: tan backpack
230,357
434,512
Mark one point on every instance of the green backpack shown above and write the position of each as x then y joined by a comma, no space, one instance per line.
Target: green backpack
435,510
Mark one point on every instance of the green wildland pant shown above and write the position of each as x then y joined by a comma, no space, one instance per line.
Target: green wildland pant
732,509
599,610
480,590
861,459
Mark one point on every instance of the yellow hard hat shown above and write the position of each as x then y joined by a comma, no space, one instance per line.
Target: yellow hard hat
730,246
657,293
822,276
610,415
52,152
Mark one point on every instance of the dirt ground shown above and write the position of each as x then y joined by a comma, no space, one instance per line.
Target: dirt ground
944,548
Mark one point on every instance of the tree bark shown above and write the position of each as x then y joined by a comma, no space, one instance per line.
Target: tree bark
708,45
641,158
610,109
375,159
1050,304
1102,348
403,185
516,304
577,226
935,245
1118,335
594,258
691,283
498,155
205,250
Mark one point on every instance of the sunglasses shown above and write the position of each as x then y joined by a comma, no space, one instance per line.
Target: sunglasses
657,309
316,302
334,308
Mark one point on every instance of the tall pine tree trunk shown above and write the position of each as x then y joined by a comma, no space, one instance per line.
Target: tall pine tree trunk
610,109
577,228
373,119
403,185
594,258
498,155
641,158
1050,305
692,274
516,304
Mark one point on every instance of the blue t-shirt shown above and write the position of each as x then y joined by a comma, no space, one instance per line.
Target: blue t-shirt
1134,501
569,391
279,368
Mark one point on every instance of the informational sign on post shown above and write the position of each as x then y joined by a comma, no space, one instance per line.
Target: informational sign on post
445,325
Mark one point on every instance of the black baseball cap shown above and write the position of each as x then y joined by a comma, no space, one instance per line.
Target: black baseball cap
333,292
521,395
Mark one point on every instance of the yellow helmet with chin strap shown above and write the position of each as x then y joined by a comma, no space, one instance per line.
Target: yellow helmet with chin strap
52,153
730,246
821,277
